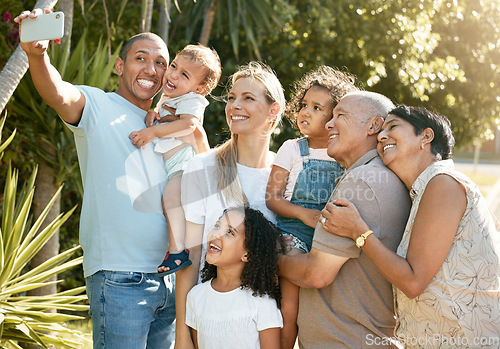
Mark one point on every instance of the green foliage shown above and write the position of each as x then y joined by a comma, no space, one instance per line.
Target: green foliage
440,54
8,29
234,19
123,18
24,318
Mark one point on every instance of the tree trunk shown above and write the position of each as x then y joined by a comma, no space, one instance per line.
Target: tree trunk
164,21
147,14
67,6
16,66
11,75
44,192
208,23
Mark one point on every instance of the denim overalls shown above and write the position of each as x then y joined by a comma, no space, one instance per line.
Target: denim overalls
315,184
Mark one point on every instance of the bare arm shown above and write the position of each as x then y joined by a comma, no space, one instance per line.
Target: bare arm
60,95
185,281
270,338
276,202
432,235
198,139
195,338
178,128
315,269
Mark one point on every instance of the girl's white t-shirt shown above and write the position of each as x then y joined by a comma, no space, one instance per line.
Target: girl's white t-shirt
200,197
230,319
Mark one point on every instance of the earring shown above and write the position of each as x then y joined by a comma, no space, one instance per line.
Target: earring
422,146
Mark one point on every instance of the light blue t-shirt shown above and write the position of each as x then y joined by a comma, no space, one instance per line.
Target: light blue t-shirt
122,227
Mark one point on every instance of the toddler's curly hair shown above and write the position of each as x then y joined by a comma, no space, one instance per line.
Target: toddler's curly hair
263,243
337,82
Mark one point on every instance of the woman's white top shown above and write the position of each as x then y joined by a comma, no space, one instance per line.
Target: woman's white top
204,204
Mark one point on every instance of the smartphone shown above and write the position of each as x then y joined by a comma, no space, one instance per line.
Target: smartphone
47,26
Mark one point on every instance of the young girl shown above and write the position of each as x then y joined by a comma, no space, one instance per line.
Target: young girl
192,75
303,175
236,306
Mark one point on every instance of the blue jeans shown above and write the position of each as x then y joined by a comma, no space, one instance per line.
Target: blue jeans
131,310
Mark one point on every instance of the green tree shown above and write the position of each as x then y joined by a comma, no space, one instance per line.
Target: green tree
232,19
440,54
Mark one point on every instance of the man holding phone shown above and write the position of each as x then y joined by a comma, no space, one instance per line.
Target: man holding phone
122,227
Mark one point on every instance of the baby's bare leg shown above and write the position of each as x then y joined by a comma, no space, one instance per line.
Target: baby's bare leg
174,213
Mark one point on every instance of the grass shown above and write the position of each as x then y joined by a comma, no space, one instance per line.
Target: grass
481,179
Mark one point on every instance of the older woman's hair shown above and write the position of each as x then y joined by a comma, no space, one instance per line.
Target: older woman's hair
336,82
421,118
227,154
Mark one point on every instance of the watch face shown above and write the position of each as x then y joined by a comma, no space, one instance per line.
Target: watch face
360,241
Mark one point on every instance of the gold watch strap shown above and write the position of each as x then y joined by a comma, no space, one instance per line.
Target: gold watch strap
368,233
363,238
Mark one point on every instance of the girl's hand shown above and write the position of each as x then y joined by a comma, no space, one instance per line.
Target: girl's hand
343,219
288,243
310,217
142,137
169,117
151,116
169,109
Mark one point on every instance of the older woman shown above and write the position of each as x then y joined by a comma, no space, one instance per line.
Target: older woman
446,271
235,173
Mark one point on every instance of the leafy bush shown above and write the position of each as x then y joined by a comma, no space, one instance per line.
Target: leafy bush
25,318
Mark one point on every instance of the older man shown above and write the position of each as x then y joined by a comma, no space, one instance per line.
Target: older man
344,301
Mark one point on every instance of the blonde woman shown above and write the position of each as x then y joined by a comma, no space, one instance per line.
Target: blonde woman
234,173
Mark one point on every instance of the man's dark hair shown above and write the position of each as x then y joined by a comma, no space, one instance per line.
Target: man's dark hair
140,36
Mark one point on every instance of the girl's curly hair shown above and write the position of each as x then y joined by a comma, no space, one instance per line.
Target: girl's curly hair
338,84
263,243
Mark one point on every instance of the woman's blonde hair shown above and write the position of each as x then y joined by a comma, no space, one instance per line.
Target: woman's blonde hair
226,155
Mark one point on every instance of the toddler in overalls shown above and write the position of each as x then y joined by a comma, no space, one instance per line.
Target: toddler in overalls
303,175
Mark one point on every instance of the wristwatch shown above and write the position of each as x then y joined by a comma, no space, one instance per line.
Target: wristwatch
360,242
